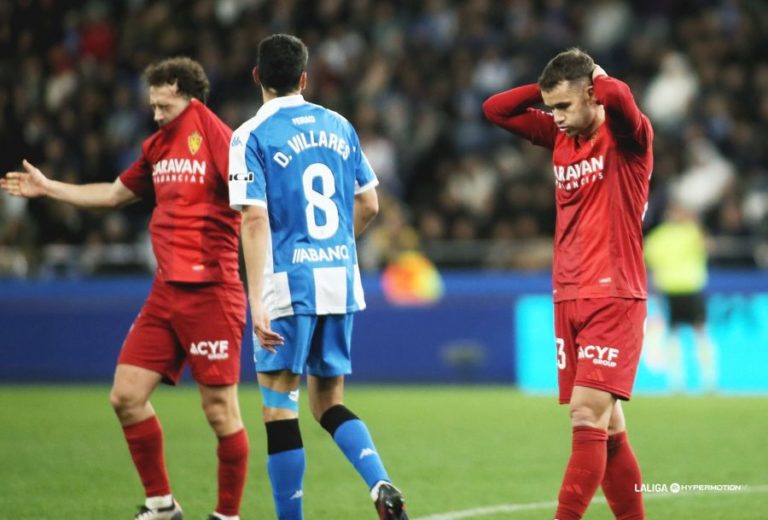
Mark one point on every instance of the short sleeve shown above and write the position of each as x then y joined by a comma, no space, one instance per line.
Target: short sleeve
365,178
247,183
138,177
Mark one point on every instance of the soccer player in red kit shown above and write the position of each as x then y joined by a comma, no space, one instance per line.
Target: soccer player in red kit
195,312
602,158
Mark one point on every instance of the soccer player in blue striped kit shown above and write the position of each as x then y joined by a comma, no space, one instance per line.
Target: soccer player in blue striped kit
305,190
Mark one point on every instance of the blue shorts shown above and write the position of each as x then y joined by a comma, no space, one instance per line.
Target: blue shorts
323,344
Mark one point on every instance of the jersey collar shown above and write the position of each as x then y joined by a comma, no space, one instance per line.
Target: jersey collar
282,102
176,122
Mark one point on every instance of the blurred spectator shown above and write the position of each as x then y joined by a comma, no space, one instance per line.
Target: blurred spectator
14,238
702,183
413,75
671,92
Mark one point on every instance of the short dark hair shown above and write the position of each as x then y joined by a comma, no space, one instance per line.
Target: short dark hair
281,61
187,74
571,65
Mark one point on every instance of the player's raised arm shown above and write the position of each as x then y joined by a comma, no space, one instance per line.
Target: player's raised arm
513,110
32,183
622,113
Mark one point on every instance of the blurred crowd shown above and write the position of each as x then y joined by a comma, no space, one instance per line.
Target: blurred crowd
412,76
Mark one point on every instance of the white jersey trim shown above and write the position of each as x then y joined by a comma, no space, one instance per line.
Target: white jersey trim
239,203
330,290
357,289
366,187
238,170
277,295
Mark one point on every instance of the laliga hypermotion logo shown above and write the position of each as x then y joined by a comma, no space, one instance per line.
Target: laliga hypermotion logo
194,141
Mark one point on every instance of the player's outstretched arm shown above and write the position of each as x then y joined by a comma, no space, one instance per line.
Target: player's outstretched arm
366,209
622,113
32,183
254,229
512,110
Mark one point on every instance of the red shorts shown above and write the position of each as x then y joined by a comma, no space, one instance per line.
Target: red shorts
199,323
598,344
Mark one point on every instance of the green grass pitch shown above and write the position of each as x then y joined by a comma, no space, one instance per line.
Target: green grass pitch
450,449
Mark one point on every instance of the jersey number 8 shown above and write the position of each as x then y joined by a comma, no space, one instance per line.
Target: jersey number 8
320,200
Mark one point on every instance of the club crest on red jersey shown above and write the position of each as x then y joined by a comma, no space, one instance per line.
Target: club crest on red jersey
194,141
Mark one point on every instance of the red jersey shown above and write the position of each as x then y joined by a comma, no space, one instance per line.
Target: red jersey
184,164
601,189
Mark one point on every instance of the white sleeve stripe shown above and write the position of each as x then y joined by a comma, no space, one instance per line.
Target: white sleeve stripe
239,204
366,187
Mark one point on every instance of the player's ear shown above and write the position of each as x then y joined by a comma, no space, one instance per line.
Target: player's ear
589,92
303,81
255,73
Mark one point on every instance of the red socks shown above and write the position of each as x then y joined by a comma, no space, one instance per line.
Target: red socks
233,463
622,478
584,472
145,442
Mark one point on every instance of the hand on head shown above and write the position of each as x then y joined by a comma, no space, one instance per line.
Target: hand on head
598,71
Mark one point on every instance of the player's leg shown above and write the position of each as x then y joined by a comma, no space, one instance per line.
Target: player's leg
222,410
209,322
675,366
705,347
622,479
590,413
130,399
606,352
571,503
674,344
348,431
329,360
705,352
279,376
131,389
285,449
149,355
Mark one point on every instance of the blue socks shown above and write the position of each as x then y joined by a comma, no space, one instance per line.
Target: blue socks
285,465
286,461
354,440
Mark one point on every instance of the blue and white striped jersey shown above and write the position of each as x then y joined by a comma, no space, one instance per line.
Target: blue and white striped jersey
303,163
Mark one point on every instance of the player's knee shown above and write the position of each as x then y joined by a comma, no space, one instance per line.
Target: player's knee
283,435
334,417
123,402
319,408
279,405
222,415
586,415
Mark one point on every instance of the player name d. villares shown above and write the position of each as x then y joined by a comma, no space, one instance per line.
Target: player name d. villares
308,140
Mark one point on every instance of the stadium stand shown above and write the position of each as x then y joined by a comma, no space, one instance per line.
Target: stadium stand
412,76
